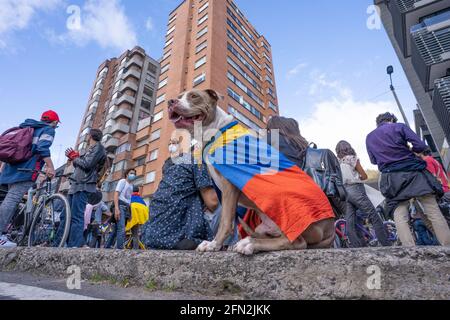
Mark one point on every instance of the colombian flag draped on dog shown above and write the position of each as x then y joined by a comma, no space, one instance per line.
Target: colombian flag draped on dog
277,186
139,212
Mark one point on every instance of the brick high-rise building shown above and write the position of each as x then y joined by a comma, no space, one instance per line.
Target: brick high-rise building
123,93
209,45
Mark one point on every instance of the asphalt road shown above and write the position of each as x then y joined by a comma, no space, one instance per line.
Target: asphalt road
20,286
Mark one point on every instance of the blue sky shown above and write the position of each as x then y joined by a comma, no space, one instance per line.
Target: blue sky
330,68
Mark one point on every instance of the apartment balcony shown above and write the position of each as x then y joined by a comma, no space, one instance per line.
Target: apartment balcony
140,152
122,113
136,61
124,98
441,104
111,144
431,49
406,14
99,86
118,127
94,99
87,124
129,85
131,72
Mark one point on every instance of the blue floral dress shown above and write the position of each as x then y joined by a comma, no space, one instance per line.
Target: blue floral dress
176,210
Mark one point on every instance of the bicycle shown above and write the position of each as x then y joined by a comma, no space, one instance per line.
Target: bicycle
46,215
365,231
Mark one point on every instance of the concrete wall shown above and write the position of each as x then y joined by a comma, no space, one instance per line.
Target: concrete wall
405,273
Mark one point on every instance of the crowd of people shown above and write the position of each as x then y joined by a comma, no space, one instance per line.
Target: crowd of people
186,208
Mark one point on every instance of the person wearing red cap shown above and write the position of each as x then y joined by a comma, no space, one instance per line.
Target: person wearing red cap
19,182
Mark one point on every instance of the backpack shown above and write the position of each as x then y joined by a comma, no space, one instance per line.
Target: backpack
323,166
104,171
16,145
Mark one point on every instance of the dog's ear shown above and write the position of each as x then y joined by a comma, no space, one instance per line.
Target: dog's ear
213,94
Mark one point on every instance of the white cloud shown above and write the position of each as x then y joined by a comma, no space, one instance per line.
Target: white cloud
295,70
149,25
104,22
320,85
17,14
341,117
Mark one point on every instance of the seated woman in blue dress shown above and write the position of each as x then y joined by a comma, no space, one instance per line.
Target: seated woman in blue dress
186,191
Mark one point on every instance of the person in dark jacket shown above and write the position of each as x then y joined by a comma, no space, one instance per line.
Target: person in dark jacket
19,182
84,184
404,176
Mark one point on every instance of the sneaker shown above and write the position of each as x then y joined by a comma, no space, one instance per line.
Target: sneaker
5,243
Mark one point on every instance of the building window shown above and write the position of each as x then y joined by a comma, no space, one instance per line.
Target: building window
153,155
150,177
172,19
168,43
143,115
166,55
203,8
200,62
203,19
120,166
239,83
239,44
161,99
150,79
163,83
139,162
201,46
249,123
202,32
152,68
165,68
158,116
155,135
82,146
148,91
199,79
170,30
273,106
146,104
123,148
244,74
268,79
244,103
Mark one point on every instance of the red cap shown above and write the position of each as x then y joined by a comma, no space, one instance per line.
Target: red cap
50,116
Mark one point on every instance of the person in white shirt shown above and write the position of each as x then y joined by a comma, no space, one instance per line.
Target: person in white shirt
353,176
122,201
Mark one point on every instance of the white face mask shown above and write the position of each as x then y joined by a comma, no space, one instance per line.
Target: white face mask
173,148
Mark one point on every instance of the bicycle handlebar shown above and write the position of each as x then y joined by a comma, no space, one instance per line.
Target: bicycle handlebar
42,172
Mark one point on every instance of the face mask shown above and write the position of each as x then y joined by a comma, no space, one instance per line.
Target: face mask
131,177
173,148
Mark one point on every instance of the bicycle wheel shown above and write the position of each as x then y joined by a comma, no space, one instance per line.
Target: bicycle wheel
46,222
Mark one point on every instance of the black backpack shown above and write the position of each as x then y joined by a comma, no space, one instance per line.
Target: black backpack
323,166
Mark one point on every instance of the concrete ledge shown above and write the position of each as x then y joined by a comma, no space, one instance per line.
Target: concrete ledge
406,273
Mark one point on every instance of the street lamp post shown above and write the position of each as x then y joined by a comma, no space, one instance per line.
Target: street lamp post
390,71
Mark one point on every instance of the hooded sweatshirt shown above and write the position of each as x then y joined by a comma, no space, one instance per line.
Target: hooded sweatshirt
43,137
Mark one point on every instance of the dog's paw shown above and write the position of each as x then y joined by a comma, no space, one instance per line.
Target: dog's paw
207,246
245,247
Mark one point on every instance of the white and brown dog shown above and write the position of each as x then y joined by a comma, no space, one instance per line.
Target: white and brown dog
202,106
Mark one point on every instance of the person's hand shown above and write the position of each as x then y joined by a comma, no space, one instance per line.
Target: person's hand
50,172
72,154
117,214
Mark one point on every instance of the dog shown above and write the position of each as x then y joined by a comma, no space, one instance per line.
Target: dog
298,225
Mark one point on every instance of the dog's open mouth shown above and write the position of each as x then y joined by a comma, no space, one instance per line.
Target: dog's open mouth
182,120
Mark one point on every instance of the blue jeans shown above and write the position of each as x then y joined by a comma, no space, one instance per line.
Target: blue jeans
119,230
12,199
77,203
